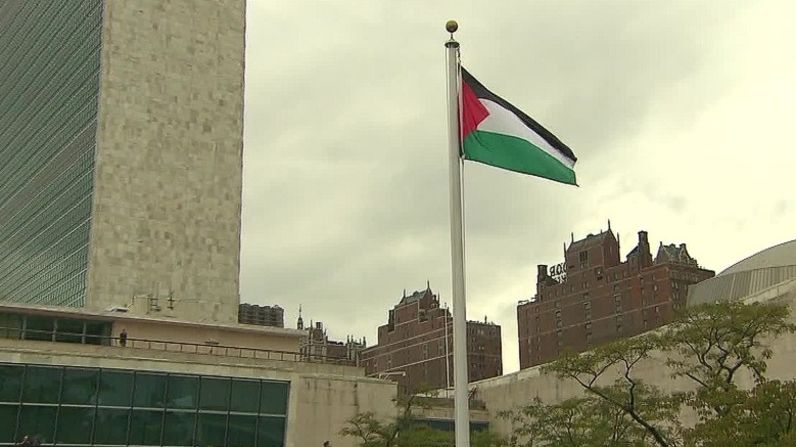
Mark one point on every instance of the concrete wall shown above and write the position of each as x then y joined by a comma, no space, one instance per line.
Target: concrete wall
322,397
517,389
167,197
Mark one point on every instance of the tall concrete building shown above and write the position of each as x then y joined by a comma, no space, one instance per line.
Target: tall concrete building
120,155
415,347
594,298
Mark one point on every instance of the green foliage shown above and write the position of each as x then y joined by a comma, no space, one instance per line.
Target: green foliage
654,412
708,345
711,344
407,431
587,422
764,417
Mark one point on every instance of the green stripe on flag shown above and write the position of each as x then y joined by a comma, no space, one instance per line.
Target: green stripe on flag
515,154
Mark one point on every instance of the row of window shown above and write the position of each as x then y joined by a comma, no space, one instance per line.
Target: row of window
75,426
88,406
27,327
121,388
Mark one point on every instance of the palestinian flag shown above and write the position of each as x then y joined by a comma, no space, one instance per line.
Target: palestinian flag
498,134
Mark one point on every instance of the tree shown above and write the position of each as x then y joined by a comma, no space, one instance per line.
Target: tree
653,411
577,422
407,430
713,343
710,345
765,417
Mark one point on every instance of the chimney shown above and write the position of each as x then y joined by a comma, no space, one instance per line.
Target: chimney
541,272
644,255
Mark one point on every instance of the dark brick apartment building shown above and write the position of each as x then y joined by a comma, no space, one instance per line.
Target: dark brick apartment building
594,298
415,347
261,315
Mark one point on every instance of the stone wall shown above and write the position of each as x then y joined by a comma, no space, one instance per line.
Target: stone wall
514,390
167,198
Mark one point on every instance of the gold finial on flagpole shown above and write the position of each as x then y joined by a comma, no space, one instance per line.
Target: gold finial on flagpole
451,26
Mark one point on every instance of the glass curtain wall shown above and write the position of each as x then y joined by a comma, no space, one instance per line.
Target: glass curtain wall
50,53
73,406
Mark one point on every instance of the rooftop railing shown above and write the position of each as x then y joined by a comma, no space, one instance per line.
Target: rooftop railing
16,333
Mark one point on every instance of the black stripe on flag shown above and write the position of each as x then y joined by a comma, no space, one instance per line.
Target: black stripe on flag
482,92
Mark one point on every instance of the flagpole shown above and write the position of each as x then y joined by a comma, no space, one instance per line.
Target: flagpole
462,419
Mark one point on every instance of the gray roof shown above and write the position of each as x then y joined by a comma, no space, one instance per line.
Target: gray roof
777,256
761,271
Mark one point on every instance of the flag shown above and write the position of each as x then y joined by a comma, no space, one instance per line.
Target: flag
496,133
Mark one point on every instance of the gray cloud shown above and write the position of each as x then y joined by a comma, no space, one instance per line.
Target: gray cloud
345,165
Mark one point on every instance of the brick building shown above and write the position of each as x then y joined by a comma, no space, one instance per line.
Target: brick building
415,347
317,346
261,315
598,298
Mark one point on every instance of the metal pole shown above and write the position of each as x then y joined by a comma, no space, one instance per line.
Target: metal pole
447,355
457,246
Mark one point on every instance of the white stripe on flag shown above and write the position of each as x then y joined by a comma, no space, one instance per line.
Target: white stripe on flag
504,122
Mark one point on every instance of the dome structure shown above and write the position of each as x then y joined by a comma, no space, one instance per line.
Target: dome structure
777,256
764,271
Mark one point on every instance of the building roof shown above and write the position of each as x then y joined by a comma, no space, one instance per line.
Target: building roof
779,255
673,253
416,296
762,271
590,240
80,312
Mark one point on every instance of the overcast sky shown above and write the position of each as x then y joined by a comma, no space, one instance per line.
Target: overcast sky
680,113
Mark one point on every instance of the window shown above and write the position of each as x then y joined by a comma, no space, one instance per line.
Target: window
178,428
145,427
39,420
11,382
271,432
80,386
182,391
42,385
242,431
583,257
149,390
214,394
93,406
115,388
245,396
